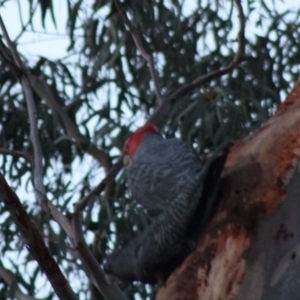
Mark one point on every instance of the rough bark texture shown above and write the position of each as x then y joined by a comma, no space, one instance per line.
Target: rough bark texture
250,249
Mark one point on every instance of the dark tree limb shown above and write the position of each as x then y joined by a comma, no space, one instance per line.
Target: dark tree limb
90,265
39,251
34,242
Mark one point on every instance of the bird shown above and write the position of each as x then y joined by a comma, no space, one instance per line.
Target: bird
170,181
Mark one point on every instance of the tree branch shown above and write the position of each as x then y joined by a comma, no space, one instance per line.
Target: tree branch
95,273
164,108
90,265
38,170
16,153
44,91
60,219
141,48
217,73
34,242
88,200
74,231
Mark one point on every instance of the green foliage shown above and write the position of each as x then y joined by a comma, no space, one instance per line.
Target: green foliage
104,85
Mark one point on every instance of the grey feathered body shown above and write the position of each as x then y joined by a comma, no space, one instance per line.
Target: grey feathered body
161,169
167,178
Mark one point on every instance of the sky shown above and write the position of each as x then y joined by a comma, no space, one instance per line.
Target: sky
52,44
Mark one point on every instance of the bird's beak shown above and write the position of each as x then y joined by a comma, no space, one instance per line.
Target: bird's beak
126,161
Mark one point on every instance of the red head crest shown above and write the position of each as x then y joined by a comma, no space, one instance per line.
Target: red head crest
133,142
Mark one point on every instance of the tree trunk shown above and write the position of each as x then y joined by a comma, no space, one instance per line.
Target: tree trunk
250,249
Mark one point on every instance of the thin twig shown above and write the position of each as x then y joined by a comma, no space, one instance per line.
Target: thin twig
38,170
141,48
29,21
16,153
